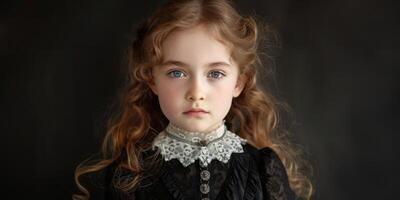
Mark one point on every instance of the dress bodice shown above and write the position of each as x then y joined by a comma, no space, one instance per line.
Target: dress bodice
250,175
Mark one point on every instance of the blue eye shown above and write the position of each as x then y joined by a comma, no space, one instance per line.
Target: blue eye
175,74
217,74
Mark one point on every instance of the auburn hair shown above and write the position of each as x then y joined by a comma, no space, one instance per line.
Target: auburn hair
254,114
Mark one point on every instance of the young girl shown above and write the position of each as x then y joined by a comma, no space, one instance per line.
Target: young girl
193,124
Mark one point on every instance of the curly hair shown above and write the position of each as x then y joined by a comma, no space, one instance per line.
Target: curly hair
254,115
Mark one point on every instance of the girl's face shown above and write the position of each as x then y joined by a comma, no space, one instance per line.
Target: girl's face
197,73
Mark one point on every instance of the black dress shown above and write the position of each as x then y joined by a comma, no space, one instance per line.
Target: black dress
251,175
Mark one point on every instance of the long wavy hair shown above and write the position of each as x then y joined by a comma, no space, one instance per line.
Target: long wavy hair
254,115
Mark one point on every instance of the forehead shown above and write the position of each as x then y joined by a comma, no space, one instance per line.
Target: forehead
195,45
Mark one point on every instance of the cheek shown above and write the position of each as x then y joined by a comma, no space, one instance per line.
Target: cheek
170,99
222,97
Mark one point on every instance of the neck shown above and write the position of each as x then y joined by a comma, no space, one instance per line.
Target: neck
183,133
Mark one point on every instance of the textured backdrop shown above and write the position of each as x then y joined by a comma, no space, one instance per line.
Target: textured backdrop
337,67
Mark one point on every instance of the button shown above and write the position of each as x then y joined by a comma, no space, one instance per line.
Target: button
204,188
205,175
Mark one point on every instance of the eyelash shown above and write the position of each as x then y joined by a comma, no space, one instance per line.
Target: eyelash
218,72
170,74
173,71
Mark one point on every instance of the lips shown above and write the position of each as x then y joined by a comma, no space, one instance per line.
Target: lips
195,110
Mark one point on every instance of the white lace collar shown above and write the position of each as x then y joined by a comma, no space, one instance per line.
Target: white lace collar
187,147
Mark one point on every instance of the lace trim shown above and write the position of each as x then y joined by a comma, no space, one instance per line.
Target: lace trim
171,148
196,136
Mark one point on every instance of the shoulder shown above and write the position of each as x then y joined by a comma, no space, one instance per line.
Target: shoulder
265,154
271,165
267,160
273,175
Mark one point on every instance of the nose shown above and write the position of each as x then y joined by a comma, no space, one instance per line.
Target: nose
196,90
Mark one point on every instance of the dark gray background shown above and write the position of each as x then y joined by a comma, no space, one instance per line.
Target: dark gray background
337,68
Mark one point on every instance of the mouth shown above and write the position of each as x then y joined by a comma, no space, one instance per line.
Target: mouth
195,112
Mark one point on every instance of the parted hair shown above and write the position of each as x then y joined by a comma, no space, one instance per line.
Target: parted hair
254,114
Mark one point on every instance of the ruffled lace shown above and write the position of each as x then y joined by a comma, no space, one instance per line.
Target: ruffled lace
220,145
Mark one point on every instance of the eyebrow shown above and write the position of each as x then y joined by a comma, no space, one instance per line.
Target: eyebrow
182,64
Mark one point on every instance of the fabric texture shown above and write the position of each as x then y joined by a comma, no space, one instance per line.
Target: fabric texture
250,175
196,136
220,144
238,171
